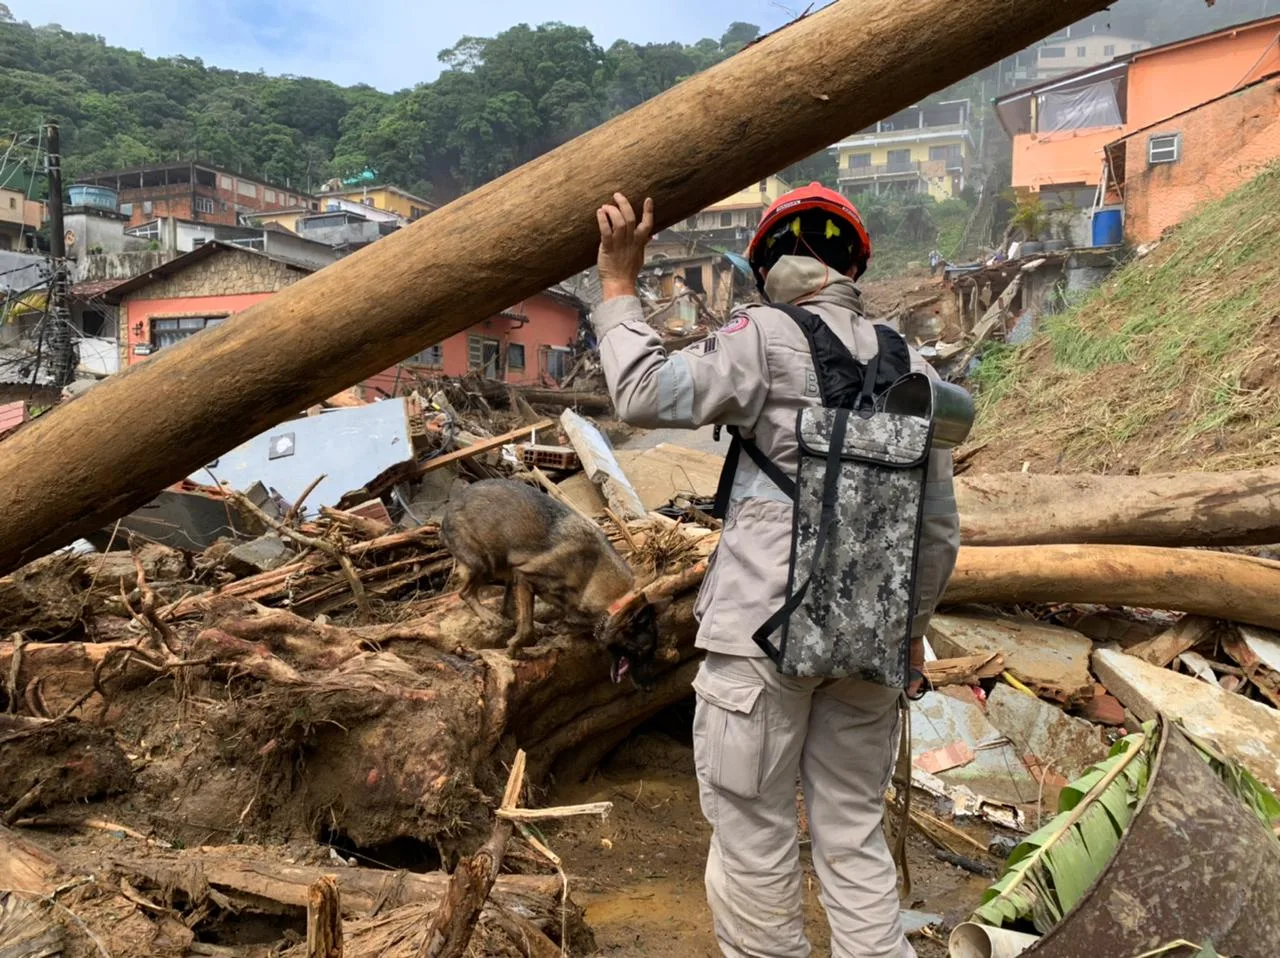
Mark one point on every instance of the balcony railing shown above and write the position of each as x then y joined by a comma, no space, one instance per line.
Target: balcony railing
903,168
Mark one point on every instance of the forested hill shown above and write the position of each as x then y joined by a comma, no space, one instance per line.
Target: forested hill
499,102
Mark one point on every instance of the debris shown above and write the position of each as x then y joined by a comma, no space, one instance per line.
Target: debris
658,475
259,555
1198,666
1246,731
1167,646
25,932
189,516
601,466
1057,741
560,458
953,715
1104,708
324,919
943,759
1052,661
913,922
26,866
349,447
1257,652
1188,822
966,804
485,445
966,670
971,940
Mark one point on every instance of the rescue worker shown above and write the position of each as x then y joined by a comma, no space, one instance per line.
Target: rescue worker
756,731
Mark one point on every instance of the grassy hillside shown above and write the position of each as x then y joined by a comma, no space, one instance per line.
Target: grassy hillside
1173,364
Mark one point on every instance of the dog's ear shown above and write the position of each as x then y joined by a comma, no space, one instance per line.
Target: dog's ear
645,618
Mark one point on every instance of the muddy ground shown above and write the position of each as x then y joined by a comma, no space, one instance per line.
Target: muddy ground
639,873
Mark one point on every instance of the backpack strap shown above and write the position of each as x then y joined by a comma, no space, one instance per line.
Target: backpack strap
766,465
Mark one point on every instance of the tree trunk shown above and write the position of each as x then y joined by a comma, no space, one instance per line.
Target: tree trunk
496,394
1214,584
1186,509
324,918
100,456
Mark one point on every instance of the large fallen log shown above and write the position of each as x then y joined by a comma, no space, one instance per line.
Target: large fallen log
99,456
1214,584
1186,509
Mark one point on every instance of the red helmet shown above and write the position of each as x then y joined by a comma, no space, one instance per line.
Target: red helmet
811,221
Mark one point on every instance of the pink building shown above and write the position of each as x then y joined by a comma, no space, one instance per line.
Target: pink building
529,344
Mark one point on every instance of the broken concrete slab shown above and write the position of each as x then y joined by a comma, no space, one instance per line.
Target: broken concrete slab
259,555
601,465
658,475
1244,730
1060,742
1052,661
951,715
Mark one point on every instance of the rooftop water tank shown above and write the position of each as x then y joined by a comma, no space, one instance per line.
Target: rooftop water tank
98,197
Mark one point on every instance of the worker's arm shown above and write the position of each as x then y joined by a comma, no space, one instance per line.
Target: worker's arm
723,379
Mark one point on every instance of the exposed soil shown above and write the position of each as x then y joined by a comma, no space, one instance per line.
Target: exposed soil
639,874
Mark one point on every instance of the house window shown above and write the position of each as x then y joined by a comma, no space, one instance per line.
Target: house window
764,186
726,219
13,202
166,332
203,204
246,189
899,160
482,354
951,154
1165,148
269,196
693,279
1082,51
555,360
1109,50
1053,53
859,161
126,209
146,207
416,213
691,222
226,182
431,356
515,356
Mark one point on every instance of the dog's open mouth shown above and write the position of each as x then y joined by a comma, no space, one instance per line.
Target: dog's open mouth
621,666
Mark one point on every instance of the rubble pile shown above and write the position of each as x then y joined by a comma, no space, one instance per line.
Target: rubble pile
264,679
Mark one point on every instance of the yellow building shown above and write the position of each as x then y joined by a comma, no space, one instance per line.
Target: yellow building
390,199
289,219
923,149
740,211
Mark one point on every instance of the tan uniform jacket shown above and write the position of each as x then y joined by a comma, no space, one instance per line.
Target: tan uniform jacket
756,373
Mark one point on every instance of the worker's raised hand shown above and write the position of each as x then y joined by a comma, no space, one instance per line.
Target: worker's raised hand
623,238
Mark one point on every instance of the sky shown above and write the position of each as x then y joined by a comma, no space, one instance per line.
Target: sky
387,44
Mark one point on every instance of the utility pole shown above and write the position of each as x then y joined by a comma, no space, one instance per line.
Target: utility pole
61,343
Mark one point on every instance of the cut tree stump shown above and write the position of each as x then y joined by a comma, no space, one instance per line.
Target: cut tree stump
1214,584
1183,509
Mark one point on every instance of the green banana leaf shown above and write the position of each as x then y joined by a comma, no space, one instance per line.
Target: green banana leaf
1052,868
1239,782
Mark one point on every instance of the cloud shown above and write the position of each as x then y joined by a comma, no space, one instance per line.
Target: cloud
386,44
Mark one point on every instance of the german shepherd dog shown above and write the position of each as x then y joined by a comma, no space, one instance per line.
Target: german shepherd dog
505,531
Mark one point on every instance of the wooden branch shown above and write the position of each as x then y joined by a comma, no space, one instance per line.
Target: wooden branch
560,811
966,670
1214,584
335,552
452,924
487,445
324,919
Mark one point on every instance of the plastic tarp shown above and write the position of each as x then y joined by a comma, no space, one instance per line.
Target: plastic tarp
1091,106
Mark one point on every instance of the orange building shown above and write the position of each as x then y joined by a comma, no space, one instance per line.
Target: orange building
1165,171
1061,128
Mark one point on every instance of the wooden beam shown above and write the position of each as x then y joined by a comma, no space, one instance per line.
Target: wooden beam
486,445
110,450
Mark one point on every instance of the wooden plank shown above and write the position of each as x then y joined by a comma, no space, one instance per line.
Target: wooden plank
487,445
601,466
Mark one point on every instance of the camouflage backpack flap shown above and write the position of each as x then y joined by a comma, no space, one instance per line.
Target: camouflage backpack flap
859,500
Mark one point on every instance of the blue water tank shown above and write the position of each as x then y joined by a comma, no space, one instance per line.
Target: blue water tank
99,197
1108,226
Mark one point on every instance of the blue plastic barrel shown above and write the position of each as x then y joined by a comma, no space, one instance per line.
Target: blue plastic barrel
1108,226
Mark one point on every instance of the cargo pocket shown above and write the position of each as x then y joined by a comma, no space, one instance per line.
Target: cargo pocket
728,731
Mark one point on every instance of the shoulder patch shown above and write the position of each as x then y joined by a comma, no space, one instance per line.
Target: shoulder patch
735,325
708,345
